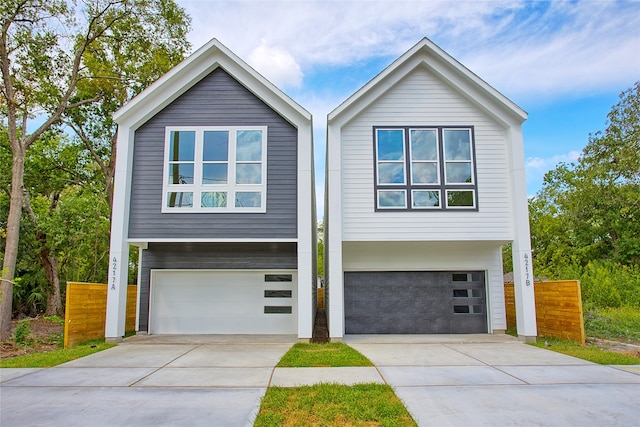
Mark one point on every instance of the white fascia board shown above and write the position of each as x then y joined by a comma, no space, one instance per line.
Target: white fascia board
447,68
144,241
193,69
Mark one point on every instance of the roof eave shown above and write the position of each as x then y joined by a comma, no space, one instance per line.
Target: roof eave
426,48
187,73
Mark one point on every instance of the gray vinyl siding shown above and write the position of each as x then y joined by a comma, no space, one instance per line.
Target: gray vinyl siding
217,100
211,256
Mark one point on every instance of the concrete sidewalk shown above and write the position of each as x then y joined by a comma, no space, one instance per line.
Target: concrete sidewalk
446,380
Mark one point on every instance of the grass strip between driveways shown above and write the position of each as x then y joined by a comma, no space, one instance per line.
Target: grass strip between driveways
330,404
304,355
585,352
55,357
333,405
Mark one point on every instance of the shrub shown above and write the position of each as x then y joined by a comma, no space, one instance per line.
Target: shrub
22,332
607,284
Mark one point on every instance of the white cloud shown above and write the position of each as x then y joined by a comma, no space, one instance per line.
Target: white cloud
525,49
569,49
537,167
545,164
276,64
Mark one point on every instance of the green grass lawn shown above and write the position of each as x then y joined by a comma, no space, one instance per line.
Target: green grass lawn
303,355
55,357
586,352
330,404
333,405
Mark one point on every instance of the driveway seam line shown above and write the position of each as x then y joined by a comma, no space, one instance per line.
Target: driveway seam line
486,364
163,366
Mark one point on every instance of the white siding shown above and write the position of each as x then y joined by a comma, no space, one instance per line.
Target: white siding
434,256
421,99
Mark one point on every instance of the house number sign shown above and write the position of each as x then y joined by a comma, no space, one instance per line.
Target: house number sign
527,270
114,268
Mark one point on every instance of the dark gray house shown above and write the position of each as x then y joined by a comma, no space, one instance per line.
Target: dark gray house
214,184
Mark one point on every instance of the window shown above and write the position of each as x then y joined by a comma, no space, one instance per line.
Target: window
215,170
429,168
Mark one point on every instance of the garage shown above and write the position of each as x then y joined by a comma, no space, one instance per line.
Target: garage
415,302
223,302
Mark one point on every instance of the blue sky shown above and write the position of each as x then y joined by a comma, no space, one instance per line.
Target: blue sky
564,62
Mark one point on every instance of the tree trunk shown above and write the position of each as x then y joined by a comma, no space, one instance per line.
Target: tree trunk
13,236
50,263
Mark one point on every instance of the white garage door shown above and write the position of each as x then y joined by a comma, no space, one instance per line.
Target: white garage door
223,302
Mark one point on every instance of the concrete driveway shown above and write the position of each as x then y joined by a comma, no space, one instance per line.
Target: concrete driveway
494,380
444,380
148,381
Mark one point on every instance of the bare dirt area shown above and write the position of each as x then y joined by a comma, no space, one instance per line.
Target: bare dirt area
46,335
320,330
630,349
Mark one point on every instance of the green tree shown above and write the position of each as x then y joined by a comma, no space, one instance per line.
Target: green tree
590,210
139,50
321,248
51,64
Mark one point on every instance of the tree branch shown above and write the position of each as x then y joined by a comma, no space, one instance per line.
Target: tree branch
87,142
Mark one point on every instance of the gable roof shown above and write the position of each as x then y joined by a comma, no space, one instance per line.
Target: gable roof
427,54
201,63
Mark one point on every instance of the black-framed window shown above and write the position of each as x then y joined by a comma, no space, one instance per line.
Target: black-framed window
425,168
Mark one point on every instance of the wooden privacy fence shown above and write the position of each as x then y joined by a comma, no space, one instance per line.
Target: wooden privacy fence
558,309
321,298
85,314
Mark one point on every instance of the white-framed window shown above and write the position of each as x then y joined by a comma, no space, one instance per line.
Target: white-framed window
215,169
425,168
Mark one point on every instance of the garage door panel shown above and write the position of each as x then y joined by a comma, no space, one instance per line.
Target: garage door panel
414,302
219,302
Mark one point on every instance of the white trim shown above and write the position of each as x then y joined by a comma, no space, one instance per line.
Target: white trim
427,53
141,240
138,290
209,57
119,247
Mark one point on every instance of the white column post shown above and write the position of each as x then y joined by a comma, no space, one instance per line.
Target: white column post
522,262
333,247
306,228
119,249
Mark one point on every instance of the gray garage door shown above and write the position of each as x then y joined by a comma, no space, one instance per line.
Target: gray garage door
415,302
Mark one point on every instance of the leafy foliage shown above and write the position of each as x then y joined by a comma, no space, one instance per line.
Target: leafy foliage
613,323
22,332
69,63
585,221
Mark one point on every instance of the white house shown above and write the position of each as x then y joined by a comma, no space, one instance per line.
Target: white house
425,183
214,183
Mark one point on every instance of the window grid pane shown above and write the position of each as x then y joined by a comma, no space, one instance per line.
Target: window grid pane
392,198
214,199
180,173
461,198
180,199
431,164
182,146
425,199
214,164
